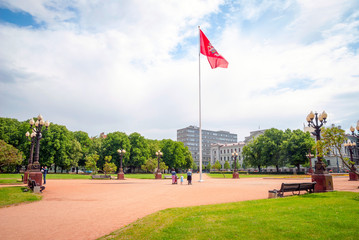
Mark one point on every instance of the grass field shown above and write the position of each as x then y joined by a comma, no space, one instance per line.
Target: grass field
11,181
229,175
15,195
331,215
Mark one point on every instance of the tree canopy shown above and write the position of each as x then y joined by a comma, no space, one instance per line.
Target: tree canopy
65,149
278,148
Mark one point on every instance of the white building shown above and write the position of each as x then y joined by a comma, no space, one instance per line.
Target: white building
223,152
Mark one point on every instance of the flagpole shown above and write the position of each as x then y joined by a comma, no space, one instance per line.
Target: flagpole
200,118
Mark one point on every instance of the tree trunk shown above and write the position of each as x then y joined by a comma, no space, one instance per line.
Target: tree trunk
259,168
55,168
277,167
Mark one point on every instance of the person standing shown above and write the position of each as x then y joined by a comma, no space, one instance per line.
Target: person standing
181,179
174,176
44,172
189,177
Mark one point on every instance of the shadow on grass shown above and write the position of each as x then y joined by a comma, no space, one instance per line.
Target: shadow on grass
313,195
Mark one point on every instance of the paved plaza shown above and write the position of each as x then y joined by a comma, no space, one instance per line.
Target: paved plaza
88,209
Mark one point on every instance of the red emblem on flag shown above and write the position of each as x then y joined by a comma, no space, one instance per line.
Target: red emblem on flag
214,58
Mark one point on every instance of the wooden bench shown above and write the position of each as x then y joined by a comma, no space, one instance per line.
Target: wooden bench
32,184
101,176
296,187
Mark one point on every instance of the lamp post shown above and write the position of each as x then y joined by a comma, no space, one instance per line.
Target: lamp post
310,156
351,146
352,129
321,177
158,173
121,174
32,138
37,128
235,171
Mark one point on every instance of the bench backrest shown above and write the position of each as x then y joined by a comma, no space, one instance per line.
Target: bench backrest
305,186
289,187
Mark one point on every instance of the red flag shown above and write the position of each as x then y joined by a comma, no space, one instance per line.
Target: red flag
214,58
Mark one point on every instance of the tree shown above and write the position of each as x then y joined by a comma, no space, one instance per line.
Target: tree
217,165
109,167
85,142
176,155
226,165
150,165
13,132
74,153
194,166
110,145
91,163
331,142
252,154
208,167
139,152
272,140
55,147
297,147
10,157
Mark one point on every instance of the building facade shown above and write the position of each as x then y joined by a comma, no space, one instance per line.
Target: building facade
253,135
223,153
190,138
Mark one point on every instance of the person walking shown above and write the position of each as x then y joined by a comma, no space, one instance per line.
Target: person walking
189,177
44,172
181,179
174,176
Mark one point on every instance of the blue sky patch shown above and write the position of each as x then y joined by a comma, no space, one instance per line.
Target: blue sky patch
21,19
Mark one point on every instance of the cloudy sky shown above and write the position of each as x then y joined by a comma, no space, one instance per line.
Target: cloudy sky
132,65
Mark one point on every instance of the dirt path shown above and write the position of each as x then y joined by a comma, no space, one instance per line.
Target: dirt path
88,209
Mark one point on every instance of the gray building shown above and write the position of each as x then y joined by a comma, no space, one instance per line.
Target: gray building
253,135
190,138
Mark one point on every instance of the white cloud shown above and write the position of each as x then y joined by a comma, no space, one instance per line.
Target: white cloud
112,66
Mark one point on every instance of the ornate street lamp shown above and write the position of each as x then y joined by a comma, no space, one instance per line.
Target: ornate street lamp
351,146
37,128
158,173
121,174
323,179
352,129
318,122
235,171
32,138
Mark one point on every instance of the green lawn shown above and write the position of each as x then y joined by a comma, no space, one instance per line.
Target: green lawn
10,181
11,175
332,215
230,175
150,175
15,195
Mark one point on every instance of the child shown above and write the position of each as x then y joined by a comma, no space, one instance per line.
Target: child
181,179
